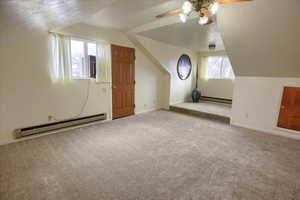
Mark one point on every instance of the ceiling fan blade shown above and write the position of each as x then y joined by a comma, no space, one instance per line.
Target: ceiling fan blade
231,1
170,12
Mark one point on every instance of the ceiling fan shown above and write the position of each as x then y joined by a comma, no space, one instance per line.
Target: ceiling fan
206,9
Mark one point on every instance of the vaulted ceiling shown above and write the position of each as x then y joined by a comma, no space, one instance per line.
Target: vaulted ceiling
126,15
261,36
138,16
189,35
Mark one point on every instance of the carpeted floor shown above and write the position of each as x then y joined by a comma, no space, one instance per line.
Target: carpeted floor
207,107
153,156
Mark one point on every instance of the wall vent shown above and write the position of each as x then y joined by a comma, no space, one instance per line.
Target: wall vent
22,132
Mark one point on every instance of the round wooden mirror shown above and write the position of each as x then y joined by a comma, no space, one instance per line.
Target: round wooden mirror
184,67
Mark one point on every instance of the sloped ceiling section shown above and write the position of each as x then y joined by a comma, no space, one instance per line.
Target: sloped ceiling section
188,35
128,14
262,37
138,16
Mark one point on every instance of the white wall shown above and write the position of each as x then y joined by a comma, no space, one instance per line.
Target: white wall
256,103
262,37
218,88
1,92
151,91
261,41
168,56
28,96
149,77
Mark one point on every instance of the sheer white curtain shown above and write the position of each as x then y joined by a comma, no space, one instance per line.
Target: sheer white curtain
219,67
61,57
203,67
103,74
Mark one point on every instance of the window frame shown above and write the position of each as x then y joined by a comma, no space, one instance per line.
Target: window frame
86,57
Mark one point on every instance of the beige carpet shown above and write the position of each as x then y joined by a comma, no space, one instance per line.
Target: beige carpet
158,155
207,107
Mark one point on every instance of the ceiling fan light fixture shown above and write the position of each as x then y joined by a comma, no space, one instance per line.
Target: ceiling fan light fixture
205,9
182,17
203,20
213,8
187,7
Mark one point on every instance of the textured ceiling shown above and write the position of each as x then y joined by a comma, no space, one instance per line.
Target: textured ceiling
129,14
132,15
46,14
189,35
16,16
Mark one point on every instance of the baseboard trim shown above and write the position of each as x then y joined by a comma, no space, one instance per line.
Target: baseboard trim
146,111
278,132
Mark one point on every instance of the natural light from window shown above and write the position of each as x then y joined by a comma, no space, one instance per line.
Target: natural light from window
81,51
92,50
78,59
219,67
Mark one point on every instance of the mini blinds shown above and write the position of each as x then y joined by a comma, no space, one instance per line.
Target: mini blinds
218,67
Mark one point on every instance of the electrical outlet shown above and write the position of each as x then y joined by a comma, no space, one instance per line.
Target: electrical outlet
50,118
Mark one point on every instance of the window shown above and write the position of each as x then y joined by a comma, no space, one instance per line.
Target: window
83,59
219,67
92,52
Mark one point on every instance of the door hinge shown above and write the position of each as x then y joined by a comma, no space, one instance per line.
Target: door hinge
133,105
134,82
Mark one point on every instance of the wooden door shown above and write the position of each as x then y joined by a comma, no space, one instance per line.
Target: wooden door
123,60
289,116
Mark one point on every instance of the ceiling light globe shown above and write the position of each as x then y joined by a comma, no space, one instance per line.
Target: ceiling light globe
203,20
187,7
213,8
182,17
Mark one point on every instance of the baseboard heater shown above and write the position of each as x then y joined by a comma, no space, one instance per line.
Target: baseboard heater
23,132
217,100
